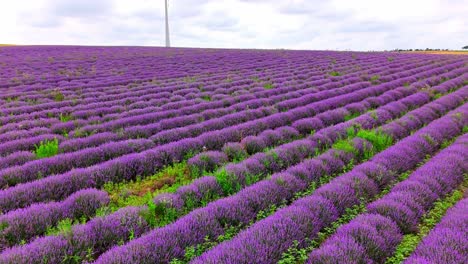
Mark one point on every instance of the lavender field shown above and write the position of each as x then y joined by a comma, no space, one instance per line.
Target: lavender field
155,155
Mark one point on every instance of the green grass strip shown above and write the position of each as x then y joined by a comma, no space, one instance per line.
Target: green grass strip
428,222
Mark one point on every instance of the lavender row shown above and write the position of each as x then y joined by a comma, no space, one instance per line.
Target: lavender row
190,131
266,240
16,159
29,124
125,97
275,89
24,224
75,144
73,124
64,162
448,241
144,119
120,94
146,163
122,97
26,144
373,237
18,134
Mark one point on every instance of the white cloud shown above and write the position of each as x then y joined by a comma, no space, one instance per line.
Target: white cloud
296,24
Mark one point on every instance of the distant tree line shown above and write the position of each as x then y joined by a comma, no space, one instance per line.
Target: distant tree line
427,49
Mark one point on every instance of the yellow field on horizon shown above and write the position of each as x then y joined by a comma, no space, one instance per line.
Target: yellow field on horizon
450,52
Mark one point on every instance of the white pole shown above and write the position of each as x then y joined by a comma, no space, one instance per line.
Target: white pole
168,42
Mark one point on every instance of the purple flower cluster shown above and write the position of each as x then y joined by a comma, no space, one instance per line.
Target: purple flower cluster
201,190
19,134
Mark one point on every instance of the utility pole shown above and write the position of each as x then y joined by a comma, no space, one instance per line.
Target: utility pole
168,41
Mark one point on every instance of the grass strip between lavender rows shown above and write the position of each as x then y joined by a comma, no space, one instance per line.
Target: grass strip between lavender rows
447,242
427,223
296,254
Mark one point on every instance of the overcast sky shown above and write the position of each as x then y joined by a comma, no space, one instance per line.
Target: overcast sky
293,24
